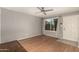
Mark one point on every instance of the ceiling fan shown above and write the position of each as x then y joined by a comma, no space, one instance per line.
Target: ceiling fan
43,10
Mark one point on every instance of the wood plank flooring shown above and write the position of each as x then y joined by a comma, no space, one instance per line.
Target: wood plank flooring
13,46
38,44
46,44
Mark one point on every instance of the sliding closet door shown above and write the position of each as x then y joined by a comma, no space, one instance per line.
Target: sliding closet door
70,31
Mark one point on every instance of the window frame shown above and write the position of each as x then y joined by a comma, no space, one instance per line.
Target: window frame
50,23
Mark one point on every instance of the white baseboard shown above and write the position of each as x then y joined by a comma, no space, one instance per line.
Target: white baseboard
6,41
70,40
51,36
27,37
20,38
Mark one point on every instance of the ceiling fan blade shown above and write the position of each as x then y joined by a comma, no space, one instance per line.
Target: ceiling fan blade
42,9
39,8
49,10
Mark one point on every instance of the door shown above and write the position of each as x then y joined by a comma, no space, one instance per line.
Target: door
70,31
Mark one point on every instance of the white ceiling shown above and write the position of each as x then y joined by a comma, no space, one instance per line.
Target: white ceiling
35,11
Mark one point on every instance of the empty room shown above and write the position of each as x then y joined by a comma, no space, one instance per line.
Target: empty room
39,29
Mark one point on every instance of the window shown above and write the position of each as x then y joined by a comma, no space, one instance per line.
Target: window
51,24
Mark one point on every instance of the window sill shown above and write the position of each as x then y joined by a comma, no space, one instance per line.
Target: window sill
50,31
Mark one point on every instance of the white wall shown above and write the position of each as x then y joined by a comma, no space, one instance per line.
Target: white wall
70,27
60,28
16,25
0,25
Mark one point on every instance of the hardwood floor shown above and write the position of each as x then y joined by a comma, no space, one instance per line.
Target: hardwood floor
38,44
46,44
13,46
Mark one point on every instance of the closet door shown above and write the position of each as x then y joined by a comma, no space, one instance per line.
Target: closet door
70,31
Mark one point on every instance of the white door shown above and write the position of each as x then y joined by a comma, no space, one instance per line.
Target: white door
70,31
